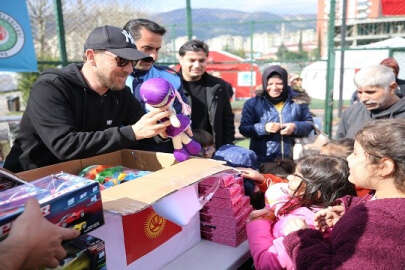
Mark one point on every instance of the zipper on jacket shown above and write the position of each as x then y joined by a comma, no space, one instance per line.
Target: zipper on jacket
282,140
84,116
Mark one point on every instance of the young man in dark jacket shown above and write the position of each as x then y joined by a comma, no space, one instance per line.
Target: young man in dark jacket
84,110
210,96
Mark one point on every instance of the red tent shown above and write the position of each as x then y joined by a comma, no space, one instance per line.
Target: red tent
243,76
236,71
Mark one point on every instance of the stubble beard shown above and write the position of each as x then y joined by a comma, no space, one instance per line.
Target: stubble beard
109,82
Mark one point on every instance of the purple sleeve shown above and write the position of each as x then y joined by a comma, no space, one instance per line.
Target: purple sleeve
260,240
309,250
351,201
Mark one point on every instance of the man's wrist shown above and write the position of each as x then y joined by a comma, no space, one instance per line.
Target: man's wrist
136,136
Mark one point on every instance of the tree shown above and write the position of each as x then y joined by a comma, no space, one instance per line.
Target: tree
40,13
239,52
283,54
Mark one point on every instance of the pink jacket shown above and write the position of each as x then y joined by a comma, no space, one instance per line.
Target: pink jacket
266,238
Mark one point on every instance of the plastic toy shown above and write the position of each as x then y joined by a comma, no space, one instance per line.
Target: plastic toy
108,176
159,94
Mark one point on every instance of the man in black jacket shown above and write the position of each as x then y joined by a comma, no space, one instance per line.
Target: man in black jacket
210,96
84,110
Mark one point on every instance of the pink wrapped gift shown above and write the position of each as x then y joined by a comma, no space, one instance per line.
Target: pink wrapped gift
225,203
233,211
225,239
225,219
225,193
226,179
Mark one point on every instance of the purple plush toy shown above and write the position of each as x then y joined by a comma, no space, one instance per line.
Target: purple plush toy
159,94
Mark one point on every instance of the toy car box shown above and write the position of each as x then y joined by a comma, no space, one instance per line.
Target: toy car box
84,252
66,200
135,236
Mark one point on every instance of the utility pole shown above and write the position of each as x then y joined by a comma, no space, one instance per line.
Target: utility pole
330,71
189,20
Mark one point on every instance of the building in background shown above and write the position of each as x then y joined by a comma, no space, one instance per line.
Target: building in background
367,21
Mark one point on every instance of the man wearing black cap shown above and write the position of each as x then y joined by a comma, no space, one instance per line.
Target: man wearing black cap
84,110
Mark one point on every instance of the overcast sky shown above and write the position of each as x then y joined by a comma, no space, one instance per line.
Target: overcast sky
273,6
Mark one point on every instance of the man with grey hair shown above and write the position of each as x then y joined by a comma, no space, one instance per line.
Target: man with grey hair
376,88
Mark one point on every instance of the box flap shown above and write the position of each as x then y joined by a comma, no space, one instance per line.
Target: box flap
133,196
71,167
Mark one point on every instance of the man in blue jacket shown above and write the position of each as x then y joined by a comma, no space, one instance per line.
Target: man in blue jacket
148,37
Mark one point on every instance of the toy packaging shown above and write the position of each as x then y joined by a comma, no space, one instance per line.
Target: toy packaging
9,180
109,176
135,236
84,252
223,218
66,200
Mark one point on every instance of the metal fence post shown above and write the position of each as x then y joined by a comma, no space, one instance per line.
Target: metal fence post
342,56
61,31
189,20
252,29
331,70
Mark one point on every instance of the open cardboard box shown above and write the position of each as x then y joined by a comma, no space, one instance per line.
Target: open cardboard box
134,235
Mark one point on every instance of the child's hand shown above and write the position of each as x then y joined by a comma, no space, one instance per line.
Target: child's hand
252,174
294,224
262,213
327,218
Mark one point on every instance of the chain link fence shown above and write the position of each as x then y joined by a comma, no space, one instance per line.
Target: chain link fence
246,42
258,38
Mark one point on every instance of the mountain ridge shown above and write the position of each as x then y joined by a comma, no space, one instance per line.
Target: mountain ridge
209,23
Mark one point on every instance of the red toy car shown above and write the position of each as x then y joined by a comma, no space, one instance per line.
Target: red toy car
70,218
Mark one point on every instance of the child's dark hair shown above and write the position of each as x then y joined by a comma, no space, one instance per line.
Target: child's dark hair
325,178
203,137
279,167
340,148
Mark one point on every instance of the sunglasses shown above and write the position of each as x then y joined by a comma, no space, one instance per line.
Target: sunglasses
121,62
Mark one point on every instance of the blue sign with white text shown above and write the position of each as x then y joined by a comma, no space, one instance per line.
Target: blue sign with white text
16,47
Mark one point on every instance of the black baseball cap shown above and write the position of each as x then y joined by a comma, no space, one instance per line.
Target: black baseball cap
115,40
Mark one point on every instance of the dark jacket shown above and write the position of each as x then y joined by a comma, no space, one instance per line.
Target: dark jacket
356,116
370,235
65,120
258,111
220,113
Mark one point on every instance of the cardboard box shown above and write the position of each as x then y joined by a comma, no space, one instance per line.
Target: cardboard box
134,235
66,200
